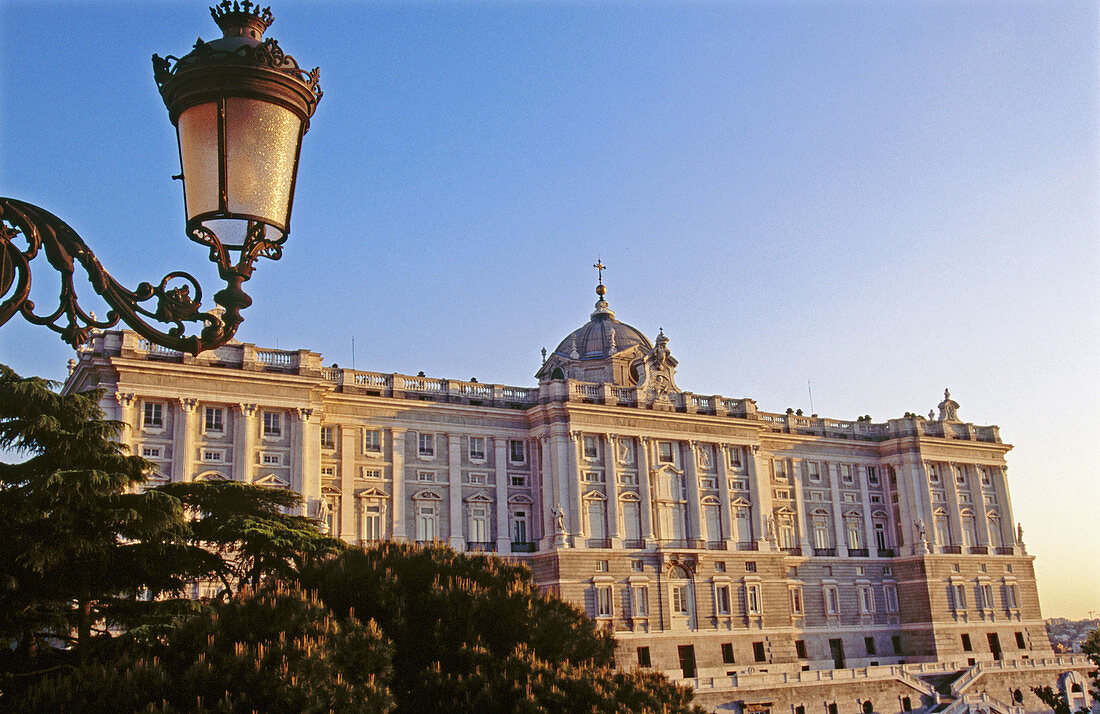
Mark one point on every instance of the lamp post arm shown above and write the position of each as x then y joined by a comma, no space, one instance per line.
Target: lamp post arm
175,303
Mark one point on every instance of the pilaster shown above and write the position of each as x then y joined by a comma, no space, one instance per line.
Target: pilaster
611,478
183,440
550,495
865,499
244,443
694,525
305,462
725,511
760,493
125,412
349,446
954,510
454,491
500,461
397,460
800,507
646,492
839,537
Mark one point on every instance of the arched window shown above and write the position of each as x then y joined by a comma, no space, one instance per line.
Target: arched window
681,596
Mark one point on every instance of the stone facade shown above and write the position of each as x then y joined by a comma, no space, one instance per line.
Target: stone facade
774,561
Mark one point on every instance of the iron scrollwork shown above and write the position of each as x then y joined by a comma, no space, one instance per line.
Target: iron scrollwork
177,296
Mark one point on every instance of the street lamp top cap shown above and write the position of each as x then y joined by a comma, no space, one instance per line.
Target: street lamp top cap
242,19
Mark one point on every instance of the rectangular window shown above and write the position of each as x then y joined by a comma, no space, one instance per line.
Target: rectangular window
518,479
783,495
872,475
866,599
372,441
214,456
477,448
750,566
984,473
832,600
477,479
212,420
987,597
967,647
637,566
719,566
425,475
328,437
814,471
891,593
271,459
628,479
779,470
603,601
664,452
150,452
735,457
593,476
643,657
679,599
727,653
869,643
519,527
372,473
708,482
758,652
328,471
517,451
602,566
800,649
722,599
895,642
591,447
153,416
753,599
425,444
737,484
273,424
796,601
372,522
1010,597
1020,643
933,474
639,600
846,473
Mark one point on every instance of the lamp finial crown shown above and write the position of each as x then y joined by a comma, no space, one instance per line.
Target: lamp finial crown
242,18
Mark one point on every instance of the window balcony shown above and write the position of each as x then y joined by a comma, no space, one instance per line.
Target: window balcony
887,553
952,550
1005,550
825,551
979,550
859,553
524,547
792,551
477,546
677,544
747,545
634,544
598,543
716,545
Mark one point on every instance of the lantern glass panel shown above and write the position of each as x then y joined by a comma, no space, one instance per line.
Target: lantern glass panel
198,137
261,151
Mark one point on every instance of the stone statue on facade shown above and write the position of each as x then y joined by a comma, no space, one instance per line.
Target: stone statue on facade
1020,533
771,528
922,531
322,514
559,520
949,408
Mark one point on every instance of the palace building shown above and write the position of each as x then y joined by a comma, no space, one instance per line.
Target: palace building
777,562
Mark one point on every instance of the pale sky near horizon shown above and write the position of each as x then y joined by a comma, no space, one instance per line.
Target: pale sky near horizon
880,199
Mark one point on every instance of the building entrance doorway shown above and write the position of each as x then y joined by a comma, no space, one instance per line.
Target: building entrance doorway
836,646
687,660
995,645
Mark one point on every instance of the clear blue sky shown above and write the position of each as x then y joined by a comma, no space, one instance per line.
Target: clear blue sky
882,198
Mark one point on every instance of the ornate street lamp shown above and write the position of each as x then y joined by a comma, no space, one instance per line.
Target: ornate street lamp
241,107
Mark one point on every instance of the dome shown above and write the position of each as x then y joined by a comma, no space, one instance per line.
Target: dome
601,337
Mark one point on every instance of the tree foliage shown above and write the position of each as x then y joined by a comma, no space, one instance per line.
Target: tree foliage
273,649
468,629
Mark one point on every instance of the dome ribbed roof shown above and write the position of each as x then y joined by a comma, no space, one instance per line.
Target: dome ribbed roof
601,337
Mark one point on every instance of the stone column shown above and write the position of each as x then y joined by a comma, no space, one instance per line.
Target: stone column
645,491
183,440
1000,484
125,413
725,511
839,536
981,523
954,508
611,476
694,525
800,508
349,447
865,499
454,470
500,461
397,459
305,456
760,493
913,492
244,443
571,472
550,496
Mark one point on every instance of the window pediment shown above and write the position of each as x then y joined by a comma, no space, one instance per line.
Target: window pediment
372,493
520,498
273,481
427,495
594,495
478,498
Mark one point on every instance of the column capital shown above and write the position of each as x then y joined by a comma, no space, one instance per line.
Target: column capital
399,431
188,404
610,436
303,413
124,399
573,434
247,410
645,439
694,443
